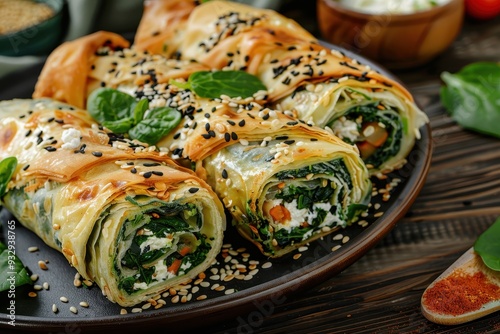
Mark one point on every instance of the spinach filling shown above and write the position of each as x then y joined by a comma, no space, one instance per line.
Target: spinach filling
376,113
321,197
166,242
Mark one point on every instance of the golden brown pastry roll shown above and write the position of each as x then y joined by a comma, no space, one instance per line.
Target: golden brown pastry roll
354,101
125,216
285,182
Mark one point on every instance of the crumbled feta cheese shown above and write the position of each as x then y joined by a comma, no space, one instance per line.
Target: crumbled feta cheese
155,243
140,286
346,129
71,139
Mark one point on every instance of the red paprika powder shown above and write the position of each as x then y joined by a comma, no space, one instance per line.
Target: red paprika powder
461,293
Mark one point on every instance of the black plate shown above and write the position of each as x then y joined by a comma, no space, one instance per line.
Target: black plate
253,300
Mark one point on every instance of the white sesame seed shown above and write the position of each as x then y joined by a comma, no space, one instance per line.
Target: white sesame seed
123,311
136,310
54,308
63,299
229,291
267,265
32,249
37,287
334,248
34,277
345,239
42,265
84,304
338,237
73,309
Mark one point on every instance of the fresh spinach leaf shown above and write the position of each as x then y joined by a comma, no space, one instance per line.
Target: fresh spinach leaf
12,270
121,113
471,97
108,104
213,84
119,126
158,123
7,169
487,246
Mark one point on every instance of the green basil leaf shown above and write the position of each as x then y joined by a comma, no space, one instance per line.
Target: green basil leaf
12,270
471,97
213,84
487,246
120,126
140,110
108,104
158,123
7,168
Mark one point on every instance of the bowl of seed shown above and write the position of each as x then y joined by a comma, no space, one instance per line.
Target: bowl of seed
30,27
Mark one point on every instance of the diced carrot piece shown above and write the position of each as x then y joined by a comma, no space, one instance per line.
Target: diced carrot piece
377,136
184,250
280,213
365,149
174,267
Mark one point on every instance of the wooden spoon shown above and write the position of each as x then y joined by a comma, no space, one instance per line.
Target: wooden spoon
466,291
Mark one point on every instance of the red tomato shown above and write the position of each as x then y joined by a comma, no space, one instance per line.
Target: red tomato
482,9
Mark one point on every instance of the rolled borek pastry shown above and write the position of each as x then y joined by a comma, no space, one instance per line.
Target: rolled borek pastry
124,216
284,182
314,83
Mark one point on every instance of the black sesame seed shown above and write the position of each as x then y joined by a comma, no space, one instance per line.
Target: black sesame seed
193,190
265,117
282,138
211,133
147,175
177,135
231,122
97,154
207,126
157,173
292,123
26,167
50,148
234,135
151,164
51,119
224,173
133,170
130,163
227,137
39,140
289,142
206,136
314,139
242,123
22,116
28,133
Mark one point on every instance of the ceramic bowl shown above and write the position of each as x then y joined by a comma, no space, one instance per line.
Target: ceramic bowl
395,40
36,40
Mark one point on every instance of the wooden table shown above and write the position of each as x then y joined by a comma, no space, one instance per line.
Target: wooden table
381,292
